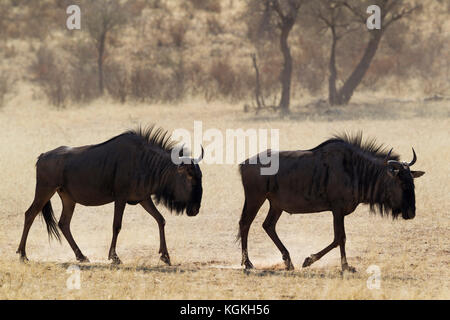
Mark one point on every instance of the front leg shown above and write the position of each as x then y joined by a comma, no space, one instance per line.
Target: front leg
344,264
149,206
119,207
339,240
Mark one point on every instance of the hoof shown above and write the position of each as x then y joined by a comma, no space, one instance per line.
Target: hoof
248,265
348,268
23,256
165,258
115,260
308,261
289,265
83,259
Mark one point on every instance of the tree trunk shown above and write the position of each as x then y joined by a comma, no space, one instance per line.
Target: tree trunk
101,51
332,92
286,74
346,92
258,96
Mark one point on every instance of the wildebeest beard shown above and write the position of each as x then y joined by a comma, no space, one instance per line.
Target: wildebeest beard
166,195
379,202
167,191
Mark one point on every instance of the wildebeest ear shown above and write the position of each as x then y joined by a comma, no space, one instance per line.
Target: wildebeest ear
417,174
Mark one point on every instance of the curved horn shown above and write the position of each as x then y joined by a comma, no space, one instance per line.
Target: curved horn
394,163
386,160
414,158
201,156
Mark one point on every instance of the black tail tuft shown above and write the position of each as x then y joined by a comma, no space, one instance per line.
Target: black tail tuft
50,221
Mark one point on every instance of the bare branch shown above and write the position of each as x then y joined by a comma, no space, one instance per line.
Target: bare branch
401,14
323,18
277,8
331,19
357,13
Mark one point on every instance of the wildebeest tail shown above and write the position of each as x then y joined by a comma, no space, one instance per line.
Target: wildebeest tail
50,221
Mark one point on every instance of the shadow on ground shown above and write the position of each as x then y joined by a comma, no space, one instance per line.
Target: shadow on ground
124,267
221,266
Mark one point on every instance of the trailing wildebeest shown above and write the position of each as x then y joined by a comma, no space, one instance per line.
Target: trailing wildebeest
336,176
129,168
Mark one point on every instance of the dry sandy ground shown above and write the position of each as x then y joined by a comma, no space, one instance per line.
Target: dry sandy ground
413,256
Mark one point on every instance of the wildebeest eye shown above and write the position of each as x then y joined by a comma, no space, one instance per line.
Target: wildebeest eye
393,172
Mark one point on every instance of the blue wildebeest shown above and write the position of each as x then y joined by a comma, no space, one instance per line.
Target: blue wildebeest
336,176
129,168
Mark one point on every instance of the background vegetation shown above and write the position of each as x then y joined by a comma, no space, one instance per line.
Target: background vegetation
170,50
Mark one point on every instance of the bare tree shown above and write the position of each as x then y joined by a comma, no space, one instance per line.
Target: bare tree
346,16
332,15
280,15
102,18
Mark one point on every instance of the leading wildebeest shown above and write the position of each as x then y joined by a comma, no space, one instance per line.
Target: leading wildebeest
336,176
129,168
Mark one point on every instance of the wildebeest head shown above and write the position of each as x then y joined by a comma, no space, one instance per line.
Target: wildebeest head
189,184
400,189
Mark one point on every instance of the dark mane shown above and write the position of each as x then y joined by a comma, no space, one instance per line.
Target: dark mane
369,146
156,137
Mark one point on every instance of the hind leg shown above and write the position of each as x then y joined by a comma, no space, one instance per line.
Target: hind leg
41,197
249,212
64,225
269,226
